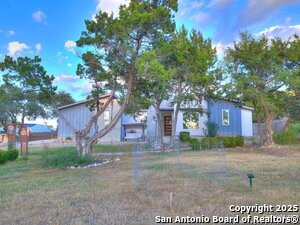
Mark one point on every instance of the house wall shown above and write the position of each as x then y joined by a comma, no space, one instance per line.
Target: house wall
202,119
79,115
215,115
151,122
247,128
115,133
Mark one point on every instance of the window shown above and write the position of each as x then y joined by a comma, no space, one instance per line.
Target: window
143,118
225,117
191,120
106,117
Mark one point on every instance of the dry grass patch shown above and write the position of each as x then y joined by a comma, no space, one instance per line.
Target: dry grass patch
105,195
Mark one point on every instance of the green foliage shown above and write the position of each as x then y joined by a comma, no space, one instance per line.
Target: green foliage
204,143
290,136
195,144
3,157
216,142
184,136
12,154
26,89
210,142
211,129
232,141
228,141
64,157
259,68
239,140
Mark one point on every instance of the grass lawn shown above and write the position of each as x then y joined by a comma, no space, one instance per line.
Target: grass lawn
31,193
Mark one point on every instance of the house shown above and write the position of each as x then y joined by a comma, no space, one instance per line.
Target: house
231,119
36,132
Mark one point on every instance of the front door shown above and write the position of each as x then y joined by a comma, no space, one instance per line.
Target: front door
167,125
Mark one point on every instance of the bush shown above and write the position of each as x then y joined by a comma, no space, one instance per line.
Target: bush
214,142
184,136
211,129
239,141
210,142
3,157
204,143
232,141
12,154
290,136
195,144
64,157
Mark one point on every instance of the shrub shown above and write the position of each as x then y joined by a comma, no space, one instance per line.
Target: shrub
12,154
232,141
211,129
239,141
289,136
195,144
3,157
184,136
64,157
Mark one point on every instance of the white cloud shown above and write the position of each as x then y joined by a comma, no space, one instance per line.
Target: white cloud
11,33
66,78
109,6
283,32
39,16
221,48
70,46
38,48
85,86
69,65
187,8
257,10
201,17
16,47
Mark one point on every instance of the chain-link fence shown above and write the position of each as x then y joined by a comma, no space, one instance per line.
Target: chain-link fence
160,173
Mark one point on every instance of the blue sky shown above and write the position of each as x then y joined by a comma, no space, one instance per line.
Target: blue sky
49,28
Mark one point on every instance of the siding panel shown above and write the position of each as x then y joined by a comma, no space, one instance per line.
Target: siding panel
215,115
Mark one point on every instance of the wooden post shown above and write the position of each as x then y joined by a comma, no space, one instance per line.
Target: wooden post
24,141
11,136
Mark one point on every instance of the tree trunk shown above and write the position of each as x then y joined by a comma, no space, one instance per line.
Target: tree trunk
174,125
159,121
260,133
117,116
83,146
269,132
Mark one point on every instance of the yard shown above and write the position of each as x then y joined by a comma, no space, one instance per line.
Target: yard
31,193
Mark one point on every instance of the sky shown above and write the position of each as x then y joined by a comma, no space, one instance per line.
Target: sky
49,29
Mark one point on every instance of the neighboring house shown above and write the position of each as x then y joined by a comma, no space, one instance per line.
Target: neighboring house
231,119
36,132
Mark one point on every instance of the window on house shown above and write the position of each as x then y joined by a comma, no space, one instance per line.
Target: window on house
191,120
143,118
106,117
225,117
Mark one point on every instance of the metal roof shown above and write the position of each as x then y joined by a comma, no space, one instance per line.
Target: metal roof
82,102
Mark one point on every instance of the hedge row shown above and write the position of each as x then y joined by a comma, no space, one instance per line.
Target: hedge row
9,155
216,142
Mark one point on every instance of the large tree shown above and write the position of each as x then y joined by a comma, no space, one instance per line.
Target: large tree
154,86
112,46
262,72
192,60
25,90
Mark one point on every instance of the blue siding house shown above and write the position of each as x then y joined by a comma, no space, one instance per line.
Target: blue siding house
231,119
